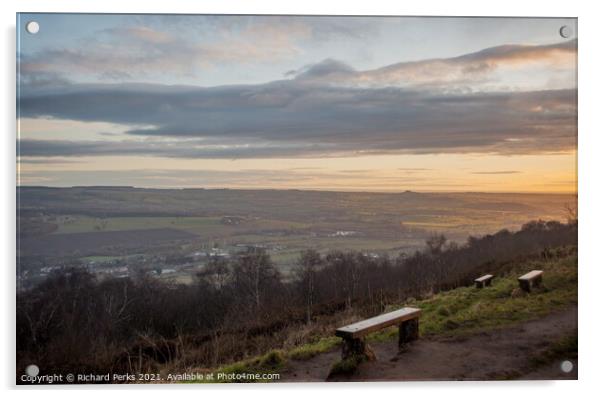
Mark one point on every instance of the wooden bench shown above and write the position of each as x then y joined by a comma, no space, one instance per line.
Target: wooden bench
483,281
354,334
530,280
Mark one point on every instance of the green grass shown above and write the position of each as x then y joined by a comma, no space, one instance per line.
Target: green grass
310,350
467,309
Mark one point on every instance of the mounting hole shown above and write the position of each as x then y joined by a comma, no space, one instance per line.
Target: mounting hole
566,31
32,370
32,27
566,366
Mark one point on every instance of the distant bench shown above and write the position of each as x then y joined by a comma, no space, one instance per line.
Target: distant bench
530,280
484,280
354,334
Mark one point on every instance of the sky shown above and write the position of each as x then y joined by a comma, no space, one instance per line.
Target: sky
383,104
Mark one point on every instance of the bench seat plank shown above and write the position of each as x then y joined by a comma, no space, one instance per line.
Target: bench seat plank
484,278
362,328
531,275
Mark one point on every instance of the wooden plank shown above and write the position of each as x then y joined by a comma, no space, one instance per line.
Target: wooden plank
531,275
362,328
484,278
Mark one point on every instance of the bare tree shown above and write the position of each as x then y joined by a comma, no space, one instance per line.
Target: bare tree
255,276
305,273
571,212
436,243
217,273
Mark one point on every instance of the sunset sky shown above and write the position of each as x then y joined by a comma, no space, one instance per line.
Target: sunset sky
330,103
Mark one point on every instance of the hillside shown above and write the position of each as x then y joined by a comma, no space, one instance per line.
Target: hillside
243,309
466,334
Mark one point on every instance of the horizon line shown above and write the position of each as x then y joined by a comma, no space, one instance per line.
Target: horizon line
299,189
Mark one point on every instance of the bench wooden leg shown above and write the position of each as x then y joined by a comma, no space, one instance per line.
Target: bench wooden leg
488,282
525,285
408,331
357,348
478,284
535,282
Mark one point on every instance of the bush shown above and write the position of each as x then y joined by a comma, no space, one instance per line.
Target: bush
443,311
273,360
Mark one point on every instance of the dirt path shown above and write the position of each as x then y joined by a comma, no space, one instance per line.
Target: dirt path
499,354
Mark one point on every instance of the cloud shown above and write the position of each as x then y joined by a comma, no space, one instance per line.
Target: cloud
323,70
31,148
327,109
498,172
220,178
447,73
132,53
520,54
181,46
188,46
46,161
288,118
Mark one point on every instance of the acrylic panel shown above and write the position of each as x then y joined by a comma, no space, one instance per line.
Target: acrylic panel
247,198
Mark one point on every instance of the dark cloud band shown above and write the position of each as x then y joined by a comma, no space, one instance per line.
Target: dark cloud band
290,119
327,109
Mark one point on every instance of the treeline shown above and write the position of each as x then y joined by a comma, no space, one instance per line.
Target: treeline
72,321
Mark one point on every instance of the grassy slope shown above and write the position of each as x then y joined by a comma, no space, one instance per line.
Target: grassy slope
465,310
461,311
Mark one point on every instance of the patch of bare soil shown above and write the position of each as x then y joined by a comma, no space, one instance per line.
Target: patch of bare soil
505,353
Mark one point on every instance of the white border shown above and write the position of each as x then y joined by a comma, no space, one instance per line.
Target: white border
590,198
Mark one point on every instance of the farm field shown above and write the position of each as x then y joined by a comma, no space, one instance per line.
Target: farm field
91,242
114,222
77,224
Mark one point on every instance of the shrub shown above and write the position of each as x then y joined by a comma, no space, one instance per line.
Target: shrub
443,311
